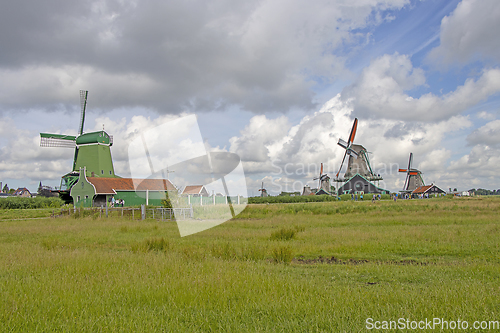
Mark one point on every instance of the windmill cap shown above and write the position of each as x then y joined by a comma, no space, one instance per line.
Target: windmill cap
94,137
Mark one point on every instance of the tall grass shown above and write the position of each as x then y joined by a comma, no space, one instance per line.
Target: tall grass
408,259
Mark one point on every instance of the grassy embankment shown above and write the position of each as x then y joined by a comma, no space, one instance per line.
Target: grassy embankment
408,259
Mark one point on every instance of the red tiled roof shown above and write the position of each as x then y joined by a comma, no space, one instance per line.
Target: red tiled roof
422,189
111,185
193,189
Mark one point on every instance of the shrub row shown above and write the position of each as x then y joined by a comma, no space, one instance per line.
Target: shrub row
30,203
289,199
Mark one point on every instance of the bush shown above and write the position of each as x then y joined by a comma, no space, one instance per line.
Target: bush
295,199
30,203
283,234
282,254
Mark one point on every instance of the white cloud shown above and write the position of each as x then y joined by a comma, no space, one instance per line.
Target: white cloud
173,56
486,115
296,155
488,134
470,32
380,92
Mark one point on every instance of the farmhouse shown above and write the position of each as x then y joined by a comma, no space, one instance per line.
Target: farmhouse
22,192
97,191
359,184
429,189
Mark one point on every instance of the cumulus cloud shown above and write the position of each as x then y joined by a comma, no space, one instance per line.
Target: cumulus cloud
488,134
470,33
293,158
381,91
175,56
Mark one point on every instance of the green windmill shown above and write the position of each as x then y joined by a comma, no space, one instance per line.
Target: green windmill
92,151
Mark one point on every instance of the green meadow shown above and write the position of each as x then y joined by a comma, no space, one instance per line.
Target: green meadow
304,267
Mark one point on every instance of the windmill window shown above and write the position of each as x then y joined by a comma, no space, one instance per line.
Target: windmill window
102,172
83,184
86,197
109,171
77,198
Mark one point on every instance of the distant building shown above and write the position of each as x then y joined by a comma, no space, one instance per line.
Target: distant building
46,191
22,192
307,190
195,190
4,195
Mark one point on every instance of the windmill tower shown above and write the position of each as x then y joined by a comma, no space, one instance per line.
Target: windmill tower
92,151
413,177
324,182
263,191
359,162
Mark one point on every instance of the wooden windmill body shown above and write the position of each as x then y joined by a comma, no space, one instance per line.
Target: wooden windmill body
414,177
359,161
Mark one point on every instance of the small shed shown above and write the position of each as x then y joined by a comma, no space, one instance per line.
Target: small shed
195,191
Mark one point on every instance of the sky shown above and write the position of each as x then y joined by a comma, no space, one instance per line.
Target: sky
275,82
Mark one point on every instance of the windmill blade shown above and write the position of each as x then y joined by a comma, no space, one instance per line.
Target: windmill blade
341,164
83,103
409,161
342,143
402,170
413,173
57,140
321,170
353,131
407,182
352,153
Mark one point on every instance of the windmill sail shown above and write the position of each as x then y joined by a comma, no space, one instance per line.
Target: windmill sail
347,145
83,104
57,140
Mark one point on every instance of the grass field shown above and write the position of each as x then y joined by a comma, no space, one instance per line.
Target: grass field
312,267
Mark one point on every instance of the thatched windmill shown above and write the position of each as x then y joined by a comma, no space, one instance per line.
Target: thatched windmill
323,182
413,177
359,162
92,152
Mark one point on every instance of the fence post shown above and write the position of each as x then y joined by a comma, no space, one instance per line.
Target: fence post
143,212
106,209
133,209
